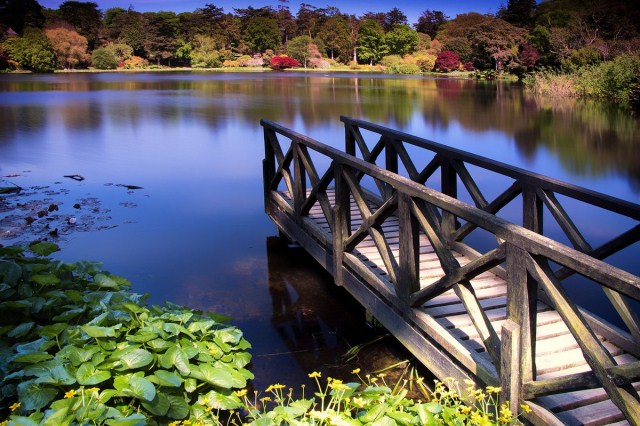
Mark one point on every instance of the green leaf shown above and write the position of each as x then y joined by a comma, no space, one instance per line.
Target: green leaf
132,307
21,329
58,375
96,331
201,326
132,420
401,417
44,248
166,378
190,385
142,336
22,421
53,330
179,408
224,401
88,375
142,388
374,413
78,355
136,359
159,406
220,377
69,314
10,272
175,357
104,281
45,279
33,357
34,396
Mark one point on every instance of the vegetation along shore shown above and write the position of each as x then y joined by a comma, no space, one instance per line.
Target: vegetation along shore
559,47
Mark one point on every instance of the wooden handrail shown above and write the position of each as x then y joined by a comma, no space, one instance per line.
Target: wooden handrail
419,209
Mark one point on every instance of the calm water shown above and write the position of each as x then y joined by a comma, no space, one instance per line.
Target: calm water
196,233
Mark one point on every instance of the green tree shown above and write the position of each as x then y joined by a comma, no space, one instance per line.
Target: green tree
495,44
20,14
286,22
129,27
392,18
518,12
298,48
402,39
430,22
103,59
261,34
69,46
85,17
372,45
32,51
121,51
335,35
163,33
207,52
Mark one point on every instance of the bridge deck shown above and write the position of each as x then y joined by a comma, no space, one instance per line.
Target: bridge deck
557,352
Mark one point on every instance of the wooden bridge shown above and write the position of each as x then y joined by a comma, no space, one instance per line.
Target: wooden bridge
470,294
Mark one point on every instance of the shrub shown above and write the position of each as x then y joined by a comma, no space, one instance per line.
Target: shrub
103,59
135,63
609,80
447,61
231,64
283,62
425,61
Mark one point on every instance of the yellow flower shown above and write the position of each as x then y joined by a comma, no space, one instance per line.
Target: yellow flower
491,389
506,412
15,406
186,422
359,402
275,387
525,408
4,423
176,423
356,371
70,394
315,374
240,393
265,399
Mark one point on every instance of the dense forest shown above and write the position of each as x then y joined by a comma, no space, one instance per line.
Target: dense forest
522,36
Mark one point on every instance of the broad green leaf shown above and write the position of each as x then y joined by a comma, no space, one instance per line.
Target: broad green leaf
132,307
159,406
374,413
132,420
224,401
78,355
175,357
201,326
69,314
179,408
166,378
21,329
136,359
230,335
44,248
22,421
241,359
172,328
88,375
34,396
58,375
401,417
10,272
32,358
220,377
190,385
53,330
96,331
159,344
426,415
59,415
142,389
104,281
142,336
45,280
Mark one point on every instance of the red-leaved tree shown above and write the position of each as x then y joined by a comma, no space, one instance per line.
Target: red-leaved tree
282,62
447,61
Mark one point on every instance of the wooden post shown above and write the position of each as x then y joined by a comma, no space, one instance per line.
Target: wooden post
532,210
510,378
300,182
521,309
390,162
341,222
408,276
349,140
449,186
268,167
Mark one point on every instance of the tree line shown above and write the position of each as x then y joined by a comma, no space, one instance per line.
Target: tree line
522,36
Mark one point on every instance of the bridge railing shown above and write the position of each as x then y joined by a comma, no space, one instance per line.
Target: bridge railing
532,264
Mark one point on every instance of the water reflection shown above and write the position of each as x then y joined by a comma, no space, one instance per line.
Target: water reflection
588,138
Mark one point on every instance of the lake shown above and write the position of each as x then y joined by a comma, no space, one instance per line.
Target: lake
171,189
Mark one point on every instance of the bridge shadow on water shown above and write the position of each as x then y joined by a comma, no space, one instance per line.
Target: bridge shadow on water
318,323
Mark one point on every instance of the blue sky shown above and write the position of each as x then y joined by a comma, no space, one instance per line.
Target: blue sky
411,8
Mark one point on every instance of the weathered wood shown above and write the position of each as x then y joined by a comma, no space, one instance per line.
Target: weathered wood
409,264
510,376
387,247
